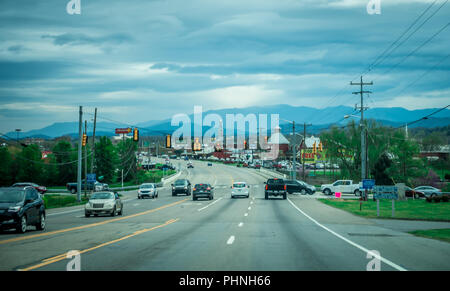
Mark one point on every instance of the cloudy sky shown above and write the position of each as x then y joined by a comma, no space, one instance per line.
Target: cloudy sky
145,60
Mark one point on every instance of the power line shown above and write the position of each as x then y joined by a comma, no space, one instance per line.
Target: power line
425,117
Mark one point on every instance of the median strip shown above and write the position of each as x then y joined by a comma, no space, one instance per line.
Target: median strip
16,239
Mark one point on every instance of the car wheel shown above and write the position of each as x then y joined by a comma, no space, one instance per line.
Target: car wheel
266,196
113,212
121,210
416,196
22,227
41,224
194,198
310,192
73,191
357,193
303,192
248,196
327,192
284,196
139,197
87,214
232,197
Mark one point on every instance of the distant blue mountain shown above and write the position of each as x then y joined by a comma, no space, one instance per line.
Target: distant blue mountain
319,118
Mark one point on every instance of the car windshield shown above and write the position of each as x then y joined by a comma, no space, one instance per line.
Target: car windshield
180,182
239,185
202,186
102,195
11,195
147,186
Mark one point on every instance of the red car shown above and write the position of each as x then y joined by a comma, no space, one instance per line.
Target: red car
409,192
40,189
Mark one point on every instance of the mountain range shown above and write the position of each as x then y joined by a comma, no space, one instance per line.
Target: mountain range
319,118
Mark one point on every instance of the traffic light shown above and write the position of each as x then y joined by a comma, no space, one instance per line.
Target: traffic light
314,148
84,140
245,145
168,141
197,145
136,134
320,147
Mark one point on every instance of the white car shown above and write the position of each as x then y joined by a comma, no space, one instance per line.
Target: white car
240,189
429,191
103,203
147,189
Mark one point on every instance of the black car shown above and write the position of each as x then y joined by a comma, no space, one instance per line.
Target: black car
209,164
190,166
181,186
203,191
20,207
294,186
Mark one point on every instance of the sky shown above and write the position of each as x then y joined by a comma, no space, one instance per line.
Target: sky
148,60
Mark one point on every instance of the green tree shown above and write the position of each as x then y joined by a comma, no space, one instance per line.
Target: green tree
6,176
128,162
379,170
30,164
65,156
105,159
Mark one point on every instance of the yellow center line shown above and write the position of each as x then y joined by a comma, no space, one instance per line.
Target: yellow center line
16,239
64,256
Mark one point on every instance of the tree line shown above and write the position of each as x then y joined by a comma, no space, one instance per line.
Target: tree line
25,163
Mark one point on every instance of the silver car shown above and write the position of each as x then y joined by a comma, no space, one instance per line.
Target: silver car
429,191
104,203
240,189
147,190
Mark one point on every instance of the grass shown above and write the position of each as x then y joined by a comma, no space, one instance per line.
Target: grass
408,209
57,201
439,234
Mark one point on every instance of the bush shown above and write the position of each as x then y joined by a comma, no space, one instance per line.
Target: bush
445,198
436,199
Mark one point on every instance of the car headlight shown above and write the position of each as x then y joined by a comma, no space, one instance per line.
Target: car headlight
88,204
14,208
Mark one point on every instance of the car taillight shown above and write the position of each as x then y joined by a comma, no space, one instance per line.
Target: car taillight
267,187
194,189
208,188
284,187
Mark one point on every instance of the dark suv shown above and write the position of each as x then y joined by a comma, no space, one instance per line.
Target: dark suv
202,191
20,207
181,186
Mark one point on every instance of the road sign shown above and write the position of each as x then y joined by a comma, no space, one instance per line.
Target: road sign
91,178
123,130
385,192
368,183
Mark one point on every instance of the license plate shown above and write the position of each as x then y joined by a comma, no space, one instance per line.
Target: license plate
98,205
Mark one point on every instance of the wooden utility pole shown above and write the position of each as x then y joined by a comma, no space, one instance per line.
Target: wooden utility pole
363,130
85,161
93,142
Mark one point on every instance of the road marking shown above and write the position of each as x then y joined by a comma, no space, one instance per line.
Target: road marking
63,256
240,224
136,204
395,266
251,202
246,214
230,240
210,204
21,238
249,208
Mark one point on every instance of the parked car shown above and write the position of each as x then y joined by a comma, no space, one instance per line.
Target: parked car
40,189
203,191
147,190
209,164
296,186
181,186
104,203
240,189
20,207
429,191
409,192
342,186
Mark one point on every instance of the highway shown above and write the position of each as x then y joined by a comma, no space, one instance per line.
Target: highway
176,233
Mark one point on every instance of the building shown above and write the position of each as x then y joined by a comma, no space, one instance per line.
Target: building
278,138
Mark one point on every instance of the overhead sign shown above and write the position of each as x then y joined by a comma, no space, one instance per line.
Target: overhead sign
123,130
368,183
385,192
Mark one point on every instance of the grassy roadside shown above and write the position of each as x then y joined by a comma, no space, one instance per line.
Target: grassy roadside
57,201
439,234
409,209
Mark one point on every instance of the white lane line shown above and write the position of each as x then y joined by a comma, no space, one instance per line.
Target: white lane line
246,214
136,204
249,208
240,224
395,266
210,204
79,216
251,202
230,240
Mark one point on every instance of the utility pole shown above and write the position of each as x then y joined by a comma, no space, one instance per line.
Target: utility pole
363,129
93,142
304,145
85,161
79,154
294,162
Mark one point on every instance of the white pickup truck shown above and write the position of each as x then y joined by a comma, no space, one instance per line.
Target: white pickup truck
342,186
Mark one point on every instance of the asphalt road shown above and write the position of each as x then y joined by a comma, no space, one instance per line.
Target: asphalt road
176,233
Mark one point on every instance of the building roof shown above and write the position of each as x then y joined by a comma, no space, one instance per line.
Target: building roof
277,137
